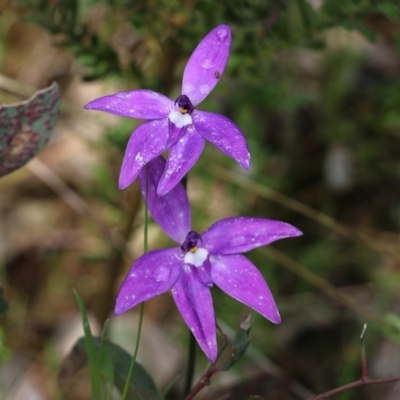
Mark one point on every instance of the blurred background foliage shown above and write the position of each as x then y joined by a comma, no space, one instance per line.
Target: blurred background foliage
315,87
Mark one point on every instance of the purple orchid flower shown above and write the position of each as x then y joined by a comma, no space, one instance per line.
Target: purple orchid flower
177,125
200,261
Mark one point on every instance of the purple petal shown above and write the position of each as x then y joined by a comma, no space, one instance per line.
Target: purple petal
172,211
147,142
182,157
194,302
175,133
224,134
203,273
143,104
239,278
206,64
241,234
152,274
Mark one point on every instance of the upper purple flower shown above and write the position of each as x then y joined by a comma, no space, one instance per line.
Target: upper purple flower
200,261
177,125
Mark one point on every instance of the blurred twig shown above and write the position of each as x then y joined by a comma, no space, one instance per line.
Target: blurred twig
292,204
267,366
76,202
363,381
321,283
25,90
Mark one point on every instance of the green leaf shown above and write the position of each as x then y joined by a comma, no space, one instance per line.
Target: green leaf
94,367
142,386
389,9
25,128
106,365
240,343
3,303
392,326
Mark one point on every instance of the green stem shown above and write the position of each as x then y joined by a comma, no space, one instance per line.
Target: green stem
141,311
192,341
190,365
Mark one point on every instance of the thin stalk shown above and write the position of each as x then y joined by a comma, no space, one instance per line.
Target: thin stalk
170,386
141,311
190,365
192,342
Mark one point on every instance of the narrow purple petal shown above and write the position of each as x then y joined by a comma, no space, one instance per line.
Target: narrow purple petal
182,157
175,133
172,211
147,142
224,134
206,64
239,278
152,274
143,104
203,273
240,234
194,302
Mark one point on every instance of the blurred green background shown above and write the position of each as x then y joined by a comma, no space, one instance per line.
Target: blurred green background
315,87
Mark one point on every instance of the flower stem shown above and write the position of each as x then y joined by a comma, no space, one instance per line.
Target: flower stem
141,311
190,365
192,341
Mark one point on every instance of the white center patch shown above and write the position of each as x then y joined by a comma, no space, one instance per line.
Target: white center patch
197,258
180,120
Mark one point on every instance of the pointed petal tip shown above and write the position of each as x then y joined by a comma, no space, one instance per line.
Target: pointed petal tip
162,190
118,310
225,30
212,358
246,163
211,351
277,319
123,182
296,232
123,185
272,315
89,106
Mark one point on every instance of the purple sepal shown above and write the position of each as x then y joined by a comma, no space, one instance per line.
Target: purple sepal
206,64
194,302
223,134
241,234
240,279
143,104
182,156
152,274
147,142
172,211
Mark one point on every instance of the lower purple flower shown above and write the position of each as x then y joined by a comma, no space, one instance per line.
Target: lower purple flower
200,261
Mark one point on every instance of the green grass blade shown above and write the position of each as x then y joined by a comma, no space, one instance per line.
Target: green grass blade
94,365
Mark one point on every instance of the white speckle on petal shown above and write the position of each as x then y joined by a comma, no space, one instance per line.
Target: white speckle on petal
188,88
180,120
207,64
162,274
138,157
123,95
222,34
204,89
